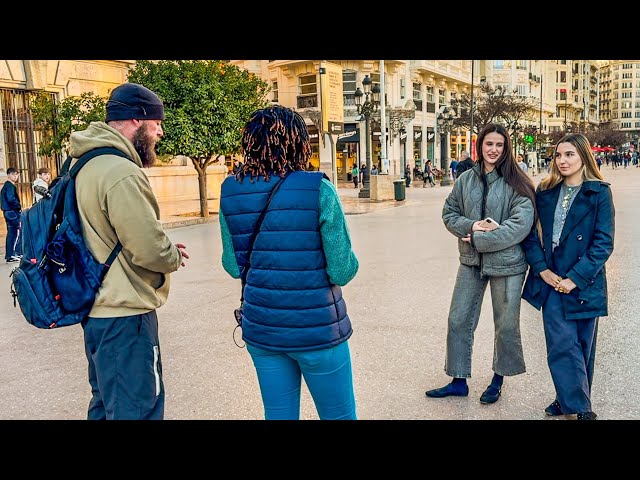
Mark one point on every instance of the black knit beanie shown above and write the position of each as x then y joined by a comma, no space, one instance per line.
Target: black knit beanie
133,101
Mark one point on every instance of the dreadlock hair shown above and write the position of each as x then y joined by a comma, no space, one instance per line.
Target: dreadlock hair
275,140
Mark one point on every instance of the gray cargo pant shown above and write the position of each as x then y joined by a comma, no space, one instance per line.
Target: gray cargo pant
466,302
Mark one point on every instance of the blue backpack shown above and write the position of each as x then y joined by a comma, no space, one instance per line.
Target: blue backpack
57,278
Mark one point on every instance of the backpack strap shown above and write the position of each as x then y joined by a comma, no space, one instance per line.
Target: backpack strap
82,161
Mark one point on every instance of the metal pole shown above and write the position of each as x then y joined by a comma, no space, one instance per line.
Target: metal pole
443,159
470,146
540,127
384,162
365,192
334,166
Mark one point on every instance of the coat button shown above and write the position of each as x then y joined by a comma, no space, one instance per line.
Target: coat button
579,258
579,237
581,302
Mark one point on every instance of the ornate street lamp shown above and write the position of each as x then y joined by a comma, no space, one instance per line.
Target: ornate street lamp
445,124
370,105
515,126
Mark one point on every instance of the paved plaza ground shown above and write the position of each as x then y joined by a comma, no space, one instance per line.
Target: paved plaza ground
398,304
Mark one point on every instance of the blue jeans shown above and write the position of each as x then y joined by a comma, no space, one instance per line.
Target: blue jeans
327,373
466,302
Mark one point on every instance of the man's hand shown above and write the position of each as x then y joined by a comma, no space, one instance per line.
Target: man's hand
183,252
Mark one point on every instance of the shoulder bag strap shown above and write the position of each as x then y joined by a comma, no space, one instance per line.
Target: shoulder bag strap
247,265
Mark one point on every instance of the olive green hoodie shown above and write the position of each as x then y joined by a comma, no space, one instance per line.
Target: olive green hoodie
116,202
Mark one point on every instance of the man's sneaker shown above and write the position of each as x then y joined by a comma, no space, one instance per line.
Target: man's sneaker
16,257
13,259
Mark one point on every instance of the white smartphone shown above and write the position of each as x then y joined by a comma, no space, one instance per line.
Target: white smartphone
489,223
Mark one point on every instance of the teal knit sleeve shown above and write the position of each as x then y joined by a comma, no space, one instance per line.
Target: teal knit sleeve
342,264
229,262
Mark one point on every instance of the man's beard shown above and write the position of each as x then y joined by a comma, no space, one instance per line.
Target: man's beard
145,146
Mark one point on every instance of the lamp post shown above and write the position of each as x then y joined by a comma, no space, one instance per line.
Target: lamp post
564,90
445,124
399,117
515,126
370,105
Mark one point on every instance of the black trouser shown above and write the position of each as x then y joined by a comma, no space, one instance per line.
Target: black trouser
125,368
12,218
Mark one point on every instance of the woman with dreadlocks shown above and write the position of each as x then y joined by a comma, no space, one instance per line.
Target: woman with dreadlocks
292,259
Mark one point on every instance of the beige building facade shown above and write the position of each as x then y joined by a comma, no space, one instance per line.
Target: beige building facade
415,92
176,186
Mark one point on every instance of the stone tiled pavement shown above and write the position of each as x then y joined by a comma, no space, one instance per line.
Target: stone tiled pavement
398,303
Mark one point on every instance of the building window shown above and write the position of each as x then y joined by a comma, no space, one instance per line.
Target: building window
307,91
417,91
521,64
563,77
442,96
274,92
375,78
498,64
348,87
430,94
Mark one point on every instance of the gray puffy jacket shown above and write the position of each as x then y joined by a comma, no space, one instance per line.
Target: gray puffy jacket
497,253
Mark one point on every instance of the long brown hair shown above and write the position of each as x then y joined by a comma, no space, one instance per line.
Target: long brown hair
506,164
590,169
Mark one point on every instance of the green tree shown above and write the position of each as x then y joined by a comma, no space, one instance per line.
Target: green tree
57,121
207,102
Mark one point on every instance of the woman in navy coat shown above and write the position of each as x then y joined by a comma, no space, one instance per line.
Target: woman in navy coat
567,252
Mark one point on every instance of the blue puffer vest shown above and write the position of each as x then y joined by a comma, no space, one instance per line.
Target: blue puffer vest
289,303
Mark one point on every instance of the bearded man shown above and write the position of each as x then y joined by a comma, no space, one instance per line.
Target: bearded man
115,202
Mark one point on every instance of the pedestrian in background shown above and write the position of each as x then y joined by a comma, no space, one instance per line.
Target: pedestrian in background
428,175
294,320
454,168
116,203
355,175
237,165
12,210
40,185
521,163
567,278
495,187
465,163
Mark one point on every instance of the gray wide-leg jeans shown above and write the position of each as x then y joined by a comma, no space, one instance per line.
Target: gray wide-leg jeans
466,302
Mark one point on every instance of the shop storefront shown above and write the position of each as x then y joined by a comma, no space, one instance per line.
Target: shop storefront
417,148
431,146
314,139
347,150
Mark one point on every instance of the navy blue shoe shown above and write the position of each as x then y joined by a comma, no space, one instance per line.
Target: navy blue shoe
554,409
449,390
586,416
490,395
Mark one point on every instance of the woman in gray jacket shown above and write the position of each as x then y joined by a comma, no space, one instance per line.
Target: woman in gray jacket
495,187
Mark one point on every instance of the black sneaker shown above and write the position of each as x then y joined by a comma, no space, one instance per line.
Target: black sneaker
587,416
13,259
